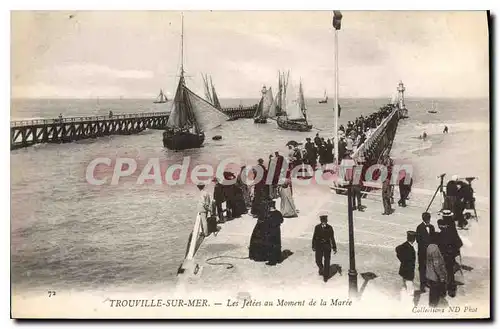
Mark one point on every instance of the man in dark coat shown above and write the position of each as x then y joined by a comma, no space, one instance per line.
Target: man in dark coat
323,242
275,219
219,198
424,232
404,189
449,245
311,153
451,193
406,255
329,151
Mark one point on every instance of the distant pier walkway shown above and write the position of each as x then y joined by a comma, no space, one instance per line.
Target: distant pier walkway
240,112
64,130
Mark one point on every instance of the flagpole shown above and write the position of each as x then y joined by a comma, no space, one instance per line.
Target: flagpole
336,109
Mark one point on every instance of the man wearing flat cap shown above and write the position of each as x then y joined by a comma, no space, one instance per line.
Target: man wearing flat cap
323,242
406,255
424,232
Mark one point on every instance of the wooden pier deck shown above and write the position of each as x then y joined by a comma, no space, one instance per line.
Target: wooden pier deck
63,130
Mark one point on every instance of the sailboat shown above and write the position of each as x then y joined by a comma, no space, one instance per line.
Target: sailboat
325,99
295,117
278,104
162,98
190,115
433,108
264,107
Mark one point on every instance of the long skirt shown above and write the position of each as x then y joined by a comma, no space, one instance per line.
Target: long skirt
287,207
259,246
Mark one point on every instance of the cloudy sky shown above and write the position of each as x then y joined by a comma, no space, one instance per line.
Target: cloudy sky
90,54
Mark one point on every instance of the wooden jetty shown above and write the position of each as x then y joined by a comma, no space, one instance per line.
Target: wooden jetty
63,130
241,112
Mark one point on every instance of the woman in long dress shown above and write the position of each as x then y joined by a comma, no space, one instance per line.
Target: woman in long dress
259,244
287,207
245,189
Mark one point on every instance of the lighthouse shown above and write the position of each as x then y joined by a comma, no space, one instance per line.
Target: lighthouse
401,100
401,95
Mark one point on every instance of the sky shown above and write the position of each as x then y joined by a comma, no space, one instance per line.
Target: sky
132,54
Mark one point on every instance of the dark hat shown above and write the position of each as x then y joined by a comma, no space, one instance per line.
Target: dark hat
426,216
323,218
411,234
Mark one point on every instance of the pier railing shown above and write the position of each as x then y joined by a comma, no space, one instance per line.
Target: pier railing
34,122
380,140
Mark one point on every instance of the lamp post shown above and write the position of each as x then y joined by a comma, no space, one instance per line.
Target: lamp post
353,274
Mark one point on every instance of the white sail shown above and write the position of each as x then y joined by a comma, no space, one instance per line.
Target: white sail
268,103
274,106
293,103
207,116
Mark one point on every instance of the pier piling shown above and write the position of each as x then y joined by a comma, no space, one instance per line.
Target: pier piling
29,132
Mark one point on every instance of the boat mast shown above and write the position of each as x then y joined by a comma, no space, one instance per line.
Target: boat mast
182,45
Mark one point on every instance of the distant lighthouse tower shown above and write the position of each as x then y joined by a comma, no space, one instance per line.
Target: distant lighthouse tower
401,100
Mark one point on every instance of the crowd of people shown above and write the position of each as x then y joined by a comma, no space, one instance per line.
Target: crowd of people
437,251
321,151
230,201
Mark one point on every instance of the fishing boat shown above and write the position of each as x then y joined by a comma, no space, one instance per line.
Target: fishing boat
264,107
162,98
433,110
324,100
190,117
295,117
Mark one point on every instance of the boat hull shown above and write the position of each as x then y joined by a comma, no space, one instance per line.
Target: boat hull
259,120
296,125
182,140
323,102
